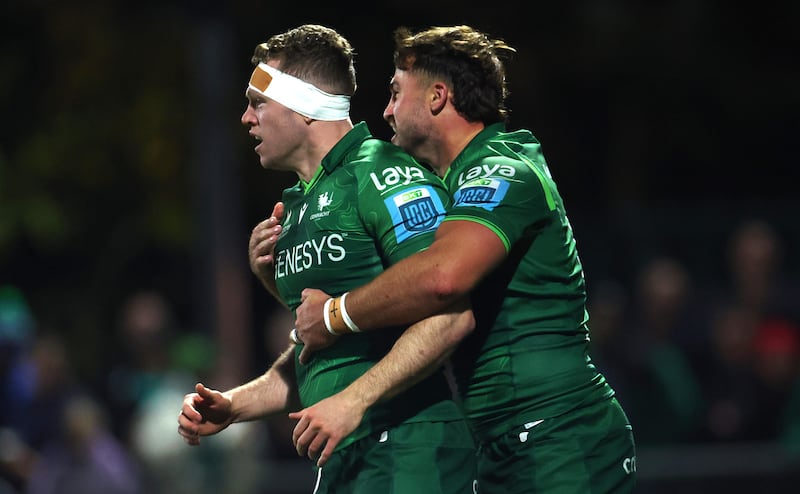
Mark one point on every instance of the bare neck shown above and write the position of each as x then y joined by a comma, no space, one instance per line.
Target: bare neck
453,135
322,137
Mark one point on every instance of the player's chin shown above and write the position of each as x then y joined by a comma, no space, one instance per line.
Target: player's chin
397,140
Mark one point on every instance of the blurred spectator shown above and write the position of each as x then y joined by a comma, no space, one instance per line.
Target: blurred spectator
777,347
160,361
752,364
145,329
50,384
729,382
665,399
776,365
84,457
17,333
49,443
54,385
757,279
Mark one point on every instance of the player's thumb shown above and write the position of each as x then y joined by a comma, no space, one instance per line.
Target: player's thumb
201,390
277,211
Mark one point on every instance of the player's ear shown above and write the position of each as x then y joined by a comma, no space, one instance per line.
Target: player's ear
438,97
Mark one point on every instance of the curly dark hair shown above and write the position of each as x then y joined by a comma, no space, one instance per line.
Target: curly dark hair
315,54
467,59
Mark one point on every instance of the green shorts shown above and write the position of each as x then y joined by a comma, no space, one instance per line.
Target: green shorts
590,449
429,457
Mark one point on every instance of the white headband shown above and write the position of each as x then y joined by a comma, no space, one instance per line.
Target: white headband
300,96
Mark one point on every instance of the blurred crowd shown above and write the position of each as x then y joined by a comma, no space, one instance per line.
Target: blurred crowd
692,361
60,434
700,361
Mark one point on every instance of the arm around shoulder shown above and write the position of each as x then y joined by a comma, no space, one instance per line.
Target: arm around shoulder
462,254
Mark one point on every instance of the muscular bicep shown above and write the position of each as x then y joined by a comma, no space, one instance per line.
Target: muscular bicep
462,254
466,251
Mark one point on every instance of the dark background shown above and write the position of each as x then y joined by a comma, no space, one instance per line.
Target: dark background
120,126
123,165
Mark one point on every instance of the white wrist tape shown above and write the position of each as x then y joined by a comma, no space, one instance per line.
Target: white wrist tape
346,316
327,316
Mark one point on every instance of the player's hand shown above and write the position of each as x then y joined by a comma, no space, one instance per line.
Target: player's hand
204,412
310,324
261,249
322,426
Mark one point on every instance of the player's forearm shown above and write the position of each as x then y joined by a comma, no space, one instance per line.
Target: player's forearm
420,350
463,253
415,288
271,393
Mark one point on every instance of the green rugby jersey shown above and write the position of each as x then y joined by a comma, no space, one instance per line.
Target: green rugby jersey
368,206
528,356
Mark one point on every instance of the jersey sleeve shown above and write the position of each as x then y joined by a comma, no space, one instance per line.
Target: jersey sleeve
508,195
402,205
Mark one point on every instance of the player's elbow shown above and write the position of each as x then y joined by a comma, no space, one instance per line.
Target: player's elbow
445,286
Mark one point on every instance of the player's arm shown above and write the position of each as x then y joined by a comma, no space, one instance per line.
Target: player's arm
261,250
423,284
208,411
273,392
419,351
462,254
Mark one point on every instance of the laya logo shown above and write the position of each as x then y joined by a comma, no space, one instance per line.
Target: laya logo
506,171
395,175
484,193
415,211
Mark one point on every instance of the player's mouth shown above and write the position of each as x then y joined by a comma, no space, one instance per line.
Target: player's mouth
259,141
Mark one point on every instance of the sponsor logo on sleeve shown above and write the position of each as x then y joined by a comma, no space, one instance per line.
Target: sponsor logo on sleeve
484,193
414,211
